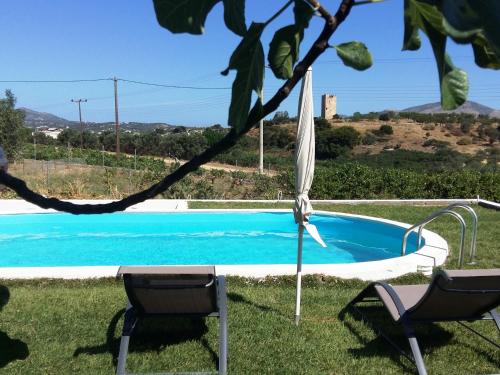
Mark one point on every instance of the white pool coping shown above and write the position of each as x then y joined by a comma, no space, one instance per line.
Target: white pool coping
433,254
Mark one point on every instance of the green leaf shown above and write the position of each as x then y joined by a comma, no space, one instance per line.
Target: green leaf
248,60
460,15
454,84
454,89
483,54
489,11
425,15
303,13
469,17
183,16
460,21
411,40
284,51
462,37
234,16
355,55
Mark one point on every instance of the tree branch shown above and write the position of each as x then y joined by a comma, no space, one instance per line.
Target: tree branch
318,47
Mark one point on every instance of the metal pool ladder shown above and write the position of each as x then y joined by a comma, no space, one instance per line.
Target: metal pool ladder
450,210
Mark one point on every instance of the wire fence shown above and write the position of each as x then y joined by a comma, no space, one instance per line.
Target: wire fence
74,178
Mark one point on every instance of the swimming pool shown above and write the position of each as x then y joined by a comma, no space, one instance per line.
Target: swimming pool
59,239
265,241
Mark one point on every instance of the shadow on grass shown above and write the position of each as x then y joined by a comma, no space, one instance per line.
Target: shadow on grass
430,336
495,361
112,343
152,334
10,349
238,298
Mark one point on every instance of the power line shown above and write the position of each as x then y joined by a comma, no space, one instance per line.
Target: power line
173,86
118,79
344,88
57,81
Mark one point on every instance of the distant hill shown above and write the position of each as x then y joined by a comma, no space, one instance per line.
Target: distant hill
468,107
35,119
495,113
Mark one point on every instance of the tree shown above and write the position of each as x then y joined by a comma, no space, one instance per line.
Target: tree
41,139
281,117
493,134
321,124
69,137
384,117
466,21
213,134
333,143
466,125
277,137
356,116
11,126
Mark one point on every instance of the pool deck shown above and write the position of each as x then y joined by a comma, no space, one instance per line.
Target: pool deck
433,254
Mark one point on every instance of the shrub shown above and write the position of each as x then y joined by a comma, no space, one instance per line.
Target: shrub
386,129
277,136
321,124
384,116
368,138
332,143
356,181
464,141
435,143
429,127
356,116
466,126
493,134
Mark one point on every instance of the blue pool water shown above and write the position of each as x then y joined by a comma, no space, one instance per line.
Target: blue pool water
31,240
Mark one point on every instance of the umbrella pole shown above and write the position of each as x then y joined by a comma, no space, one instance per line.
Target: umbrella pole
299,275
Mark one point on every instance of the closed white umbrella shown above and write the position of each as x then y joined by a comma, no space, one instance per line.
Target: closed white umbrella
304,172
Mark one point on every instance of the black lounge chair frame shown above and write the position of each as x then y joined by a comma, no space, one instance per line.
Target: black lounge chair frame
408,315
212,291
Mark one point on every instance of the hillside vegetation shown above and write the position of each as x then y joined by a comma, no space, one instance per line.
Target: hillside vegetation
405,155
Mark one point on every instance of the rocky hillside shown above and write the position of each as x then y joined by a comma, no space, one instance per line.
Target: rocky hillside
468,107
35,119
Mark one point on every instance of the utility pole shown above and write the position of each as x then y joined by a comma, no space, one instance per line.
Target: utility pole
117,122
79,102
261,139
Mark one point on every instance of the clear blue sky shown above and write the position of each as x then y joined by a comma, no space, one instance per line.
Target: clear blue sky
64,40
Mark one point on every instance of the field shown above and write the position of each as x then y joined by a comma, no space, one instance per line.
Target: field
411,135
63,327
82,181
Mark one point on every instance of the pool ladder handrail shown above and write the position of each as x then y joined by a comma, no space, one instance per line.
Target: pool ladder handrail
474,218
447,211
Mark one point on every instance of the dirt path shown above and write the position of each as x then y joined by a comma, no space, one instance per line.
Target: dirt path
213,165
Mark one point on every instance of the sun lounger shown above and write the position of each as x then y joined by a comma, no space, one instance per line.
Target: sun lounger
173,291
463,295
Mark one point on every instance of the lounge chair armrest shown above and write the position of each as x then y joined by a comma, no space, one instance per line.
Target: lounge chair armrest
394,296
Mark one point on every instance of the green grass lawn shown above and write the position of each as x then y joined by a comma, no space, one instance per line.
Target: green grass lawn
66,327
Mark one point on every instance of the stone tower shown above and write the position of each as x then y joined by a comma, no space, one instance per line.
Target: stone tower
328,106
